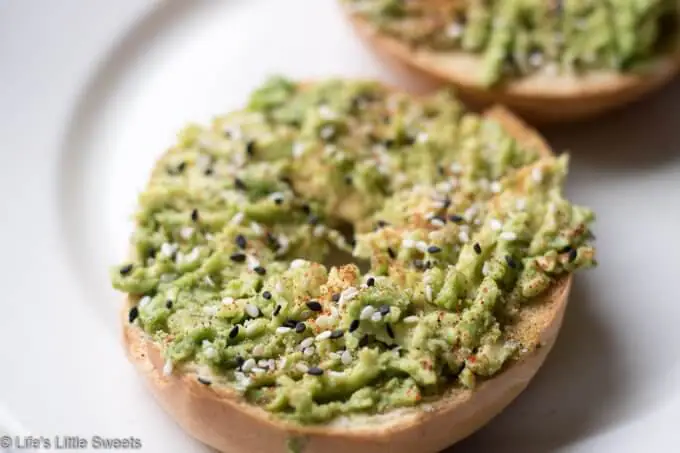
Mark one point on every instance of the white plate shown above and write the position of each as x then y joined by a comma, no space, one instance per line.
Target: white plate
92,92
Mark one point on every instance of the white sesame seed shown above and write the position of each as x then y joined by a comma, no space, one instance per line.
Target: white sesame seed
324,322
496,187
263,363
282,330
283,362
377,316
485,269
309,351
301,367
456,168
536,59
422,246
248,365
307,342
508,236
271,363
463,236
537,174
408,243
209,237
257,229
252,262
334,312
144,302
470,213
326,334
167,367
252,310
367,312
521,204
251,327
168,249
327,132
333,355
298,263
422,137
186,232
276,196
298,150
257,370
326,113
428,293
445,186
210,310
237,219
319,230
438,222
455,30
410,319
495,224
346,357
228,300
278,287
348,294
258,350
335,373
193,255
210,352
284,243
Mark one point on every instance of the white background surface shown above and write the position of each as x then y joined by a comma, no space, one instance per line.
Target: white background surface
91,92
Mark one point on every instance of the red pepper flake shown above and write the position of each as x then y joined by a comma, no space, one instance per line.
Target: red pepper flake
472,359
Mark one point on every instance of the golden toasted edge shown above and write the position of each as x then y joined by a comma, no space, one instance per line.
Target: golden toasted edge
541,97
221,418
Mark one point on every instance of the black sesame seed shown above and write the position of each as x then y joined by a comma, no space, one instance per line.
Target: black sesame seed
194,215
241,241
306,209
204,381
381,224
388,142
239,184
455,218
336,334
208,171
133,314
370,281
272,241
259,270
233,332
267,295
409,140
277,310
286,180
335,297
391,253
446,202
364,341
354,325
300,327
250,148
239,361
151,253
566,249
384,309
168,304
290,323
572,255
314,305
126,269
478,248
278,201
511,262
237,257
313,220
348,179
352,242
315,371
433,249
390,332
440,170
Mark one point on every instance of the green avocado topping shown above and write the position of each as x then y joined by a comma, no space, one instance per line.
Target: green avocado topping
460,228
517,38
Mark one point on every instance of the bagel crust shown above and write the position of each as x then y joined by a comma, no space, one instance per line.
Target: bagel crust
541,97
224,418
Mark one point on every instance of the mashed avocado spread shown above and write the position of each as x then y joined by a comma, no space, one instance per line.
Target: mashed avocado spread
517,38
459,226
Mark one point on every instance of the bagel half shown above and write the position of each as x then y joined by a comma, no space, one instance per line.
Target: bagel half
540,98
224,420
